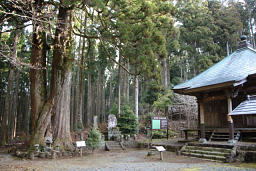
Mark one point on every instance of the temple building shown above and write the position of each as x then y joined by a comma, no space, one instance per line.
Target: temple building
225,95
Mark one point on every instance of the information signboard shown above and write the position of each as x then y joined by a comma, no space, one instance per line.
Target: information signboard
159,123
80,143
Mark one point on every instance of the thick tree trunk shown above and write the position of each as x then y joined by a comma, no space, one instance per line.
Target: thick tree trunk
58,103
37,75
61,79
61,128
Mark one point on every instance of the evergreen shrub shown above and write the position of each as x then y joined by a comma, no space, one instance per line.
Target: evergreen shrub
127,122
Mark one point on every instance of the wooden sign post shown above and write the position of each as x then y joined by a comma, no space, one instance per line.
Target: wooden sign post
161,149
80,145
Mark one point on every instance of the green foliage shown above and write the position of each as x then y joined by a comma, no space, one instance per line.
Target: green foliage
148,119
159,134
114,109
138,29
127,121
152,92
94,139
164,100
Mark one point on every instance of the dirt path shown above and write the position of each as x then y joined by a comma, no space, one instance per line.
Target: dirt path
130,160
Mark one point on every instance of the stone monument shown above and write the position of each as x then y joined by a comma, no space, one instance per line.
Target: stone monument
113,131
112,122
95,121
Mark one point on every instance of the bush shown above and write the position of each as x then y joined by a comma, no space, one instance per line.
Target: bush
127,121
94,139
159,134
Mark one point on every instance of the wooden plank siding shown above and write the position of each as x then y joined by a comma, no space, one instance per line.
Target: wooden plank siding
216,114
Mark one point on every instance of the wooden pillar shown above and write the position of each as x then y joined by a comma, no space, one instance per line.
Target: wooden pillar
202,123
230,120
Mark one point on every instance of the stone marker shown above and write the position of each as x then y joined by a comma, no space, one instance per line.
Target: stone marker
112,122
95,121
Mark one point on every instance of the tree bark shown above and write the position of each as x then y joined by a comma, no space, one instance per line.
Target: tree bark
12,121
72,101
8,113
61,78
119,87
103,119
99,88
136,97
57,105
76,95
127,83
37,76
80,90
110,99
89,90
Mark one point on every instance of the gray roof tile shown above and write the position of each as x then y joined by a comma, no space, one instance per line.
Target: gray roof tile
247,107
232,68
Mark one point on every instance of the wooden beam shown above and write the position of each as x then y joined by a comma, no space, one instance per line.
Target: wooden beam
212,98
202,122
230,120
209,88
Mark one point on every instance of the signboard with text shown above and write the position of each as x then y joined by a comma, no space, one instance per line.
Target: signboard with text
159,122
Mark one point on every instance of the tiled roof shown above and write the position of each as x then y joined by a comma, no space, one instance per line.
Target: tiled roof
247,107
233,68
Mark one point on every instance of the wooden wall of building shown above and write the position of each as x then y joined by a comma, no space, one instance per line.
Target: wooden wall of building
216,114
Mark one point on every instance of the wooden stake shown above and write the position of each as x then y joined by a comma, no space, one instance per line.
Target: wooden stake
161,155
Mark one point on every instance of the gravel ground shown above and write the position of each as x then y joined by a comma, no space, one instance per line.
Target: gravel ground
129,160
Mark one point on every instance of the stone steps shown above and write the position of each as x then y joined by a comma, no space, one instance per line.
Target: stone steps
222,136
113,145
208,151
216,153
205,156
